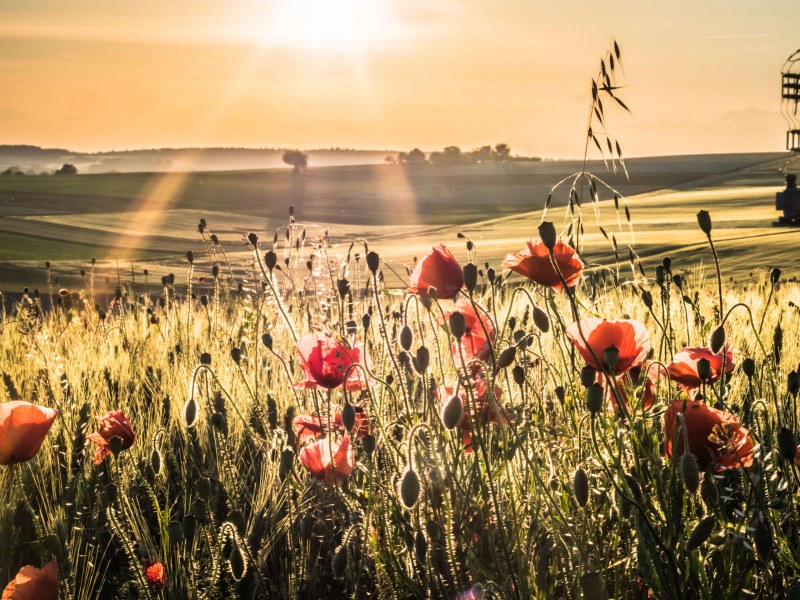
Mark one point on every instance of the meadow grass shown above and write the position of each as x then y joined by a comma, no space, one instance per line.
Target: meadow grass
552,501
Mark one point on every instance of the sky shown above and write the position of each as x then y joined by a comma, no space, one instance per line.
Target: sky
94,75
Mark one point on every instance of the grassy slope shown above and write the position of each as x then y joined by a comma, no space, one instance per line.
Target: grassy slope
151,218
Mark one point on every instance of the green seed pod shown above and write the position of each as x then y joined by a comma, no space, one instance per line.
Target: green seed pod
287,461
762,536
190,412
700,534
506,357
594,398
704,369
588,376
409,488
541,320
611,358
787,444
270,259
580,485
452,412
690,472
470,276
547,233
348,416
373,261
339,563
457,324
406,338
704,221
420,547
717,339
175,532
749,367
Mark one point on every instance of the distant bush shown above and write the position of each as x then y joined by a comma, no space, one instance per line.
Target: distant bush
297,159
67,169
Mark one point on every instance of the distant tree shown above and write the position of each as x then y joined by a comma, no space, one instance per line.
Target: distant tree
436,158
13,171
452,155
502,152
297,159
67,169
390,160
482,154
415,157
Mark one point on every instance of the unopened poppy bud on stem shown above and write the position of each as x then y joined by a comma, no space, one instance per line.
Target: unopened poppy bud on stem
547,233
611,358
457,324
252,238
594,398
704,220
470,276
373,261
704,369
270,259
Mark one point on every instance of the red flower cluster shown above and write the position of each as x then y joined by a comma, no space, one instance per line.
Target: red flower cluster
534,263
326,360
23,427
629,337
684,370
714,436
113,424
440,270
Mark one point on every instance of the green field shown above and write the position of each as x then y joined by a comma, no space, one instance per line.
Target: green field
148,221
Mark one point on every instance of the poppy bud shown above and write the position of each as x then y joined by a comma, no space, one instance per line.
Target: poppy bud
156,461
237,561
420,546
406,338
368,442
611,358
678,281
421,360
660,278
700,534
339,563
506,357
690,472
749,367
343,286
266,339
270,259
458,324
287,460
787,444
373,261
190,256
190,412
115,444
366,320
594,398
647,299
470,276
236,355
409,488
175,532
777,343
348,416
774,276
518,373
541,320
588,376
205,359
717,339
762,535
547,233
204,300
793,383
704,369
560,393
252,238
580,485
704,220
453,412
491,274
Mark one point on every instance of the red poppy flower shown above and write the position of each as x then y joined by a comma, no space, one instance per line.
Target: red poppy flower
325,361
316,458
715,437
629,337
156,574
487,410
34,584
112,424
23,427
645,377
683,368
309,427
438,269
475,343
534,263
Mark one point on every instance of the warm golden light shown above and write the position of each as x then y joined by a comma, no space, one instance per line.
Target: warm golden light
328,25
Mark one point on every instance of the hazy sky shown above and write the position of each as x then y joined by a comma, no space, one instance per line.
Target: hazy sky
701,76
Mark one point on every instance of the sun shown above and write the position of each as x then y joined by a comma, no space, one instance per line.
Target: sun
329,25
